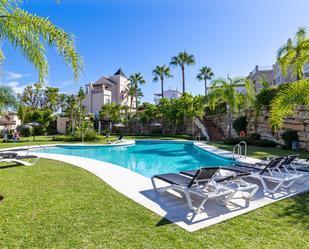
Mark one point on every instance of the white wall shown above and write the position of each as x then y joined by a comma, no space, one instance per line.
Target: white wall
61,124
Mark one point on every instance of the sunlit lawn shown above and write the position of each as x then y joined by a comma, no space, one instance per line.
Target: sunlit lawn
56,205
262,152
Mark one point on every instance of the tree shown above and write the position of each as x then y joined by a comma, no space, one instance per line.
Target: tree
150,114
295,55
71,110
81,95
30,33
225,91
205,73
159,73
111,112
182,60
286,100
7,98
136,80
51,100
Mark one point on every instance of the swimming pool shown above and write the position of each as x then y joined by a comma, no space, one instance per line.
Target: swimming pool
146,157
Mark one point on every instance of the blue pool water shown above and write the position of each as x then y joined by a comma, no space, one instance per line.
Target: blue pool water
146,157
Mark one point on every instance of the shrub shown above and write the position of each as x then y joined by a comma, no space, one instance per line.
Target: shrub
240,124
89,135
250,141
265,96
264,143
25,130
288,137
231,141
255,136
39,130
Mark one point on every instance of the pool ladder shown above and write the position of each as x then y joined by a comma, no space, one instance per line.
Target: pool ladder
238,147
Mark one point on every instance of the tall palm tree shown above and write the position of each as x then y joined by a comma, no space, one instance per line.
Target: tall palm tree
30,33
182,60
205,73
295,55
71,111
136,80
161,72
287,100
225,91
130,92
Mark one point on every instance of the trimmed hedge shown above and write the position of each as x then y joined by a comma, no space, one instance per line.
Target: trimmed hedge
250,141
240,124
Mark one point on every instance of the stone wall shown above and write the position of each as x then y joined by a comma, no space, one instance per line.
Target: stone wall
299,122
220,120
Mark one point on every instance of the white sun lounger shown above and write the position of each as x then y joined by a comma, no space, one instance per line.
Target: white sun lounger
189,185
270,173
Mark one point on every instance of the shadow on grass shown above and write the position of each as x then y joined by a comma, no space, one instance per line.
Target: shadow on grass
297,211
10,166
163,222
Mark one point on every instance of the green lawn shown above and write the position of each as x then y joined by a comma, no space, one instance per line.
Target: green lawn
262,152
56,205
42,140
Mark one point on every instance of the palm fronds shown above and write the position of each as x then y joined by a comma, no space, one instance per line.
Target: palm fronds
287,100
29,33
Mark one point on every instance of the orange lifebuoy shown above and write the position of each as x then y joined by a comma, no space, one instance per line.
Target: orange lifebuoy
242,134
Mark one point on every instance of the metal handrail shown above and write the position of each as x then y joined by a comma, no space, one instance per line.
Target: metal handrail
245,144
239,149
238,146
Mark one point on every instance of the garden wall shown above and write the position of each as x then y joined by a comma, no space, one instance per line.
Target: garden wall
220,120
299,122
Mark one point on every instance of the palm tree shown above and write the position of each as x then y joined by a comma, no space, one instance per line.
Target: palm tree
205,74
136,80
295,55
161,72
287,100
30,33
7,98
183,59
130,92
71,111
225,91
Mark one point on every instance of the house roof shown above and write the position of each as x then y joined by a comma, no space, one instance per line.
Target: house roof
5,120
104,80
121,73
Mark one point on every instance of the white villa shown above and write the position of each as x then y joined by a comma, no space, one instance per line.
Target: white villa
169,94
9,121
105,90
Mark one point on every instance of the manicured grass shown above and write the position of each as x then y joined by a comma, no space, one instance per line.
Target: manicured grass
56,205
262,152
43,140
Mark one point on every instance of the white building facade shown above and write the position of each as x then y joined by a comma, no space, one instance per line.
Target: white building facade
168,94
106,90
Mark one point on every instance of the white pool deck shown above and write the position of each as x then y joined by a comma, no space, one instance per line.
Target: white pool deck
169,205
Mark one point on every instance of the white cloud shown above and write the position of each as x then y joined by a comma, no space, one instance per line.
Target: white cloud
8,76
15,85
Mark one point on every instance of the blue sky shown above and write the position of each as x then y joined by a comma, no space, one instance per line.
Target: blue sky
230,36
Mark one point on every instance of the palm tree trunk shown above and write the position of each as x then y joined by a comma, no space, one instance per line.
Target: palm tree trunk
205,87
229,121
162,88
183,79
136,105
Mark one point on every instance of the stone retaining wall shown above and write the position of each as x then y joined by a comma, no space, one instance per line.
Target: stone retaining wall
299,122
221,121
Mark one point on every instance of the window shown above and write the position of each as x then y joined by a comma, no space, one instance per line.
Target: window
108,100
